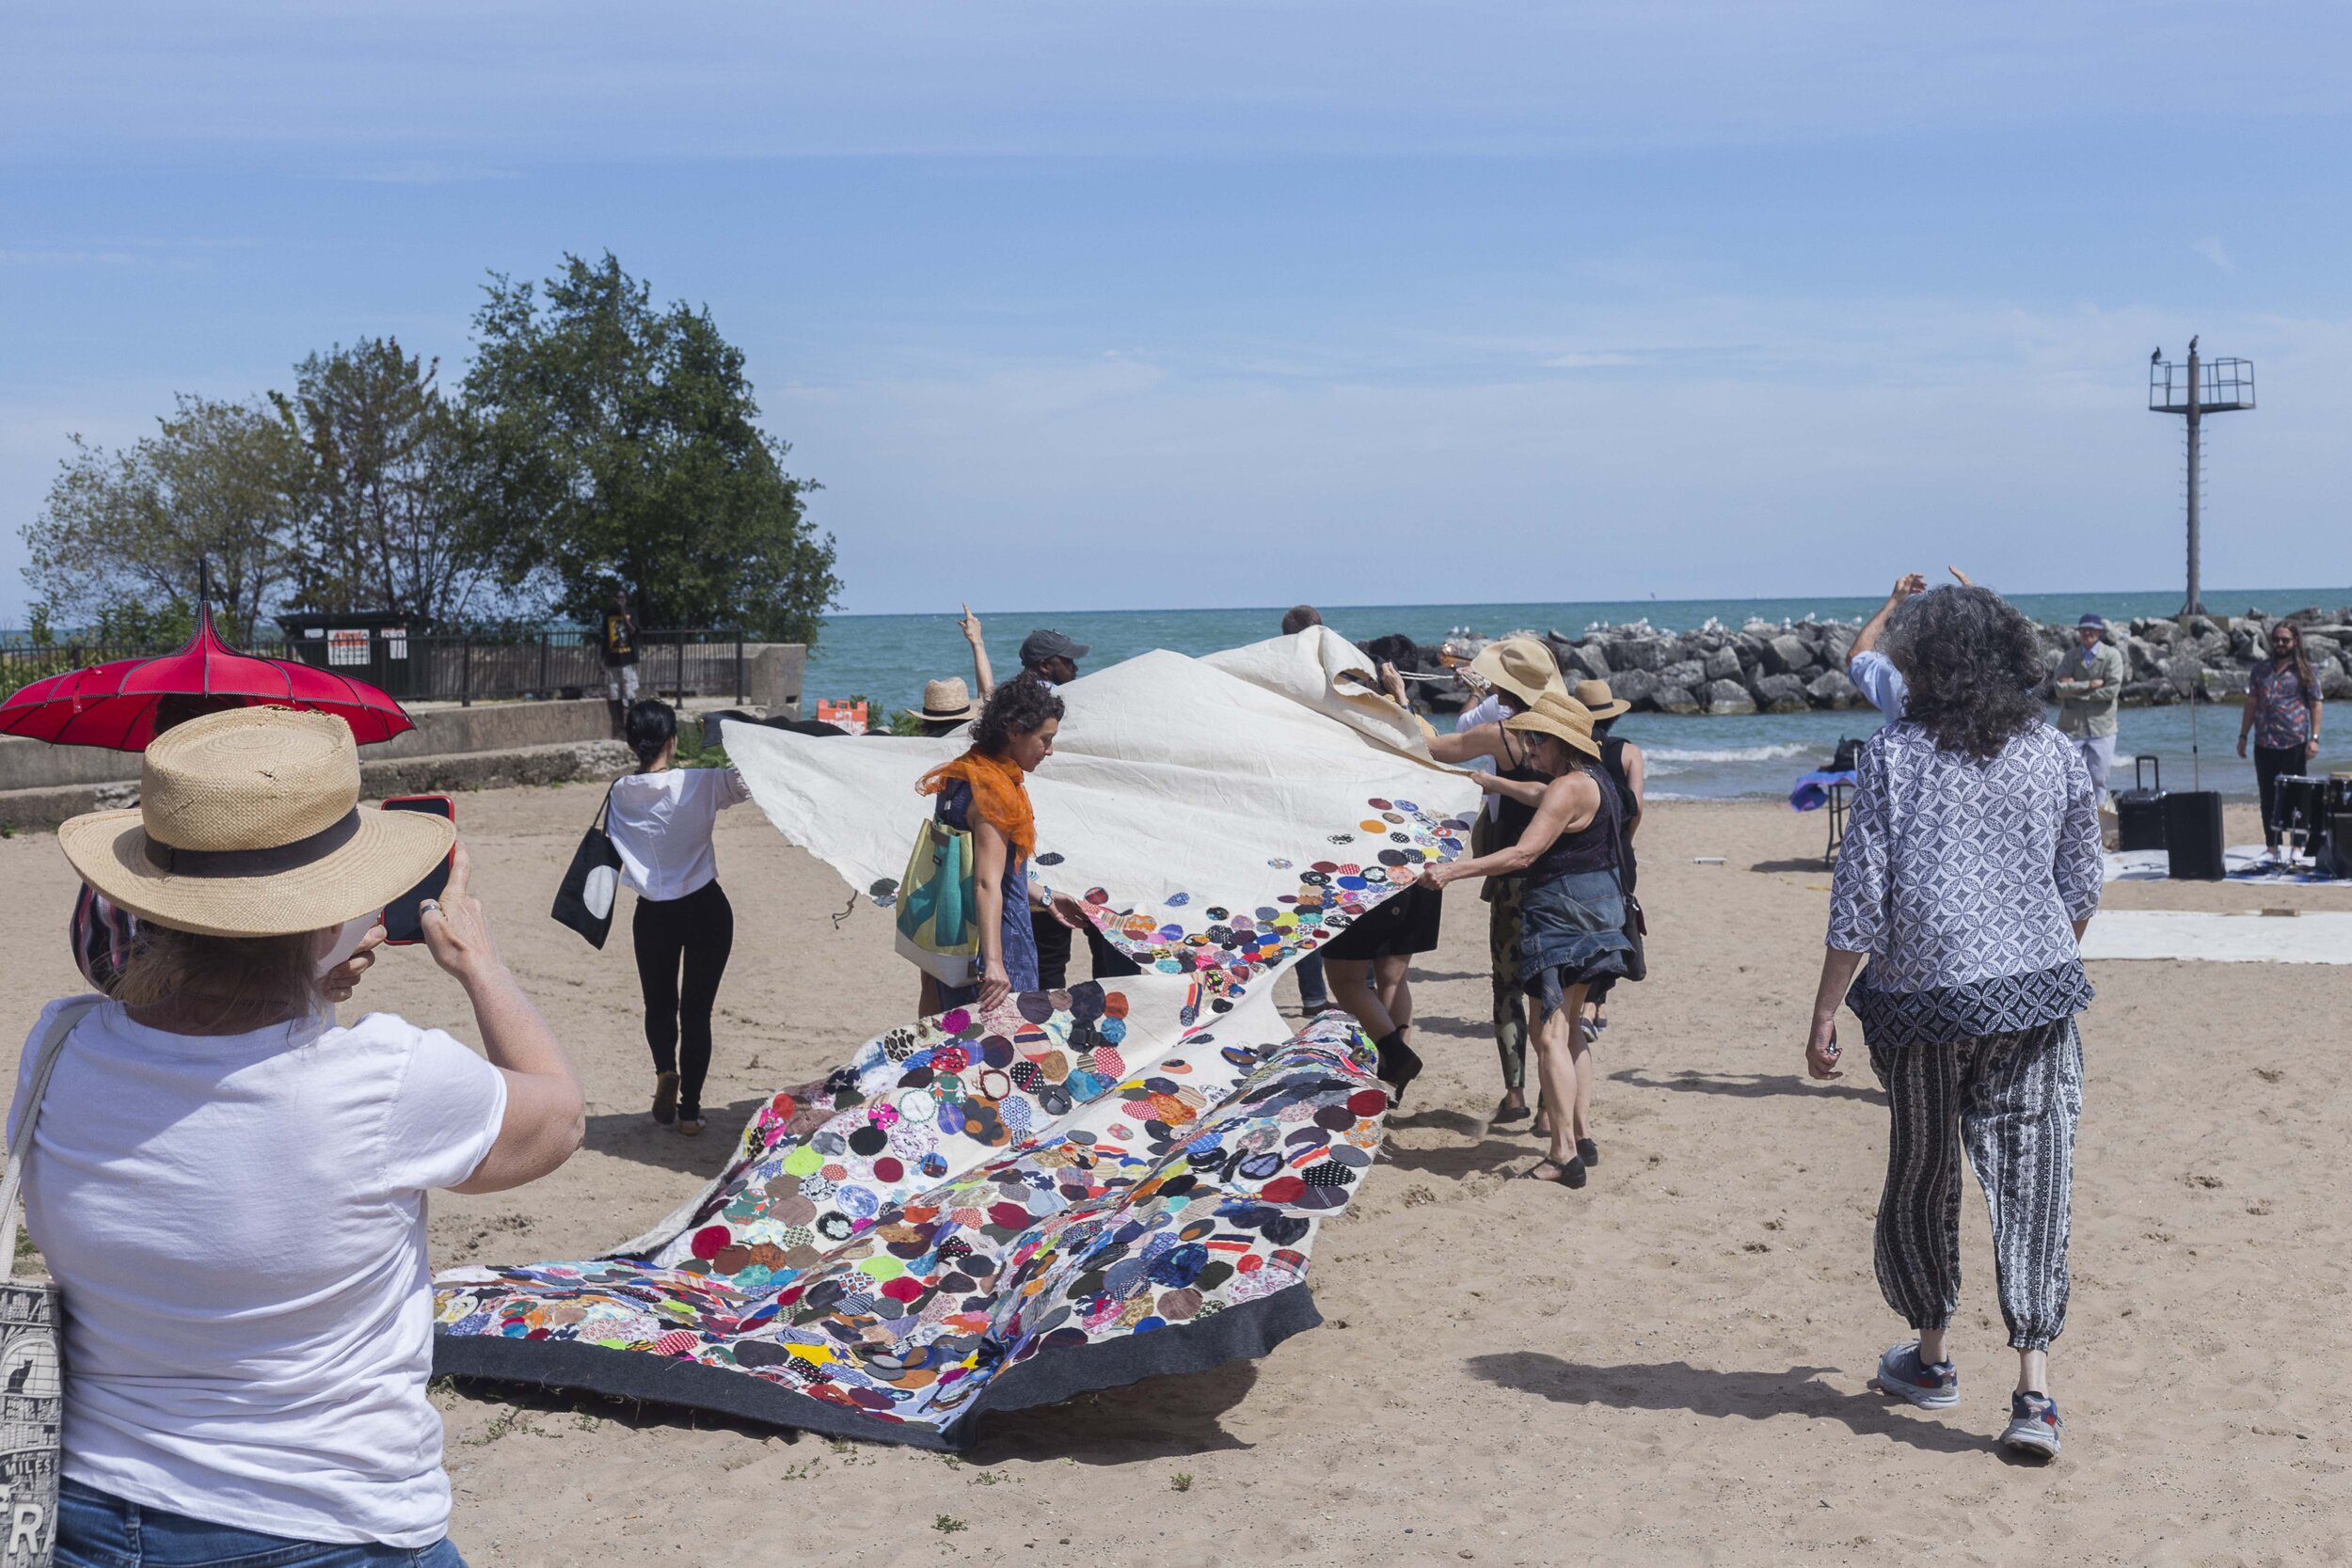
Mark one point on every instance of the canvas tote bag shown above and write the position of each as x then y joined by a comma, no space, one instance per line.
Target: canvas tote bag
938,917
585,901
32,1389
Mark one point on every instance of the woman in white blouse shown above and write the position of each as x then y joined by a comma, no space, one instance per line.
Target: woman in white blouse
660,821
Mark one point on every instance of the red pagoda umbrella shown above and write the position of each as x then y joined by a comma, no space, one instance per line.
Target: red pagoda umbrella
113,704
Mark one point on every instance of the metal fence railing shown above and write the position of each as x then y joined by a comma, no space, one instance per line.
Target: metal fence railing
459,667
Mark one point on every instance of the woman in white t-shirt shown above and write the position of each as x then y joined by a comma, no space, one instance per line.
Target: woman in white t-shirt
230,1189
660,820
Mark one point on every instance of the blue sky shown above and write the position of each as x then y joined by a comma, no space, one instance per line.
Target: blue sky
1142,304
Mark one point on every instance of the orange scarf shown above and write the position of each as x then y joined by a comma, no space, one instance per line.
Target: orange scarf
998,795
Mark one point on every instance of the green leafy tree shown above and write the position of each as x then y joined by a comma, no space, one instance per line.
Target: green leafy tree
122,542
617,445
386,522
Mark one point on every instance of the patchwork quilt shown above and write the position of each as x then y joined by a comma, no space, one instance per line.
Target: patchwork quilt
984,1212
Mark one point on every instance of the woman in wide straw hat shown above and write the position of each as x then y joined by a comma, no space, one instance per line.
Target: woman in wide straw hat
230,1187
1572,919
1509,674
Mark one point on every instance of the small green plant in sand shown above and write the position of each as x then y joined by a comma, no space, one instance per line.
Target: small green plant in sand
948,1525
1179,1481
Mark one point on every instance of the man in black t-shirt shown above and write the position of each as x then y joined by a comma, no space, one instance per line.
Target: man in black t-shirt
617,644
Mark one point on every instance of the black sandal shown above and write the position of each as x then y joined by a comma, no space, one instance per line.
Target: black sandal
1569,1175
1587,1151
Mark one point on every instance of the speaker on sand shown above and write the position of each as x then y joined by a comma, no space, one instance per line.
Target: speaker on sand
2192,835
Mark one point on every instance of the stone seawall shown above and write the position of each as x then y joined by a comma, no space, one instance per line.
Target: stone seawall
1769,667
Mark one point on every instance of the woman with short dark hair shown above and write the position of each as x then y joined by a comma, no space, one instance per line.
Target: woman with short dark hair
1970,867
985,792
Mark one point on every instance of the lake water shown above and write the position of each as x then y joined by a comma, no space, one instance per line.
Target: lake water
887,659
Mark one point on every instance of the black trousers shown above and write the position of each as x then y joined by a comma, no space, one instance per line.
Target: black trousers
2269,762
1053,953
693,935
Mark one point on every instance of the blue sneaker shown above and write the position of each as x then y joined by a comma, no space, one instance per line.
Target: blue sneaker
1902,1374
2033,1426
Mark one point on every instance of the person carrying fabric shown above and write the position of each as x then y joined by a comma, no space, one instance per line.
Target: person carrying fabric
985,792
662,818
950,705
2282,713
1512,673
1572,916
617,647
230,1187
2089,690
1628,769
1970,867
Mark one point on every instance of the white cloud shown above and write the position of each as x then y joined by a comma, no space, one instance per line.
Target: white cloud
2210,248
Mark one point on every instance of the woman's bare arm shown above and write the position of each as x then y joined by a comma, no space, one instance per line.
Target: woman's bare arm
1570,802
988,888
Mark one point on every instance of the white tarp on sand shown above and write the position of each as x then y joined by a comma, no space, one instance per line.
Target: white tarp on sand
2313,937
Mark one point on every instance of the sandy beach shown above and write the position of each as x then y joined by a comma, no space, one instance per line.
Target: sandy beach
1669,1367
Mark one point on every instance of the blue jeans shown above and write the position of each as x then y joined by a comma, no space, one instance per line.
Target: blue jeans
1313,993
97,1531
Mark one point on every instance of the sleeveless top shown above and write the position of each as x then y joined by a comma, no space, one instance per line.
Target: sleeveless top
1018,941
1594,847
1613,762
1511,817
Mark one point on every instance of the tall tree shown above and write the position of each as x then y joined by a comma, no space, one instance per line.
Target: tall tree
617,445
386,523
121,540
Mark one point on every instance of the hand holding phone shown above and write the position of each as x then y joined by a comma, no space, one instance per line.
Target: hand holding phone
403,915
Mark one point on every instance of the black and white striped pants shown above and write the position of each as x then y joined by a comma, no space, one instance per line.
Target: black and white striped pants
2013,1101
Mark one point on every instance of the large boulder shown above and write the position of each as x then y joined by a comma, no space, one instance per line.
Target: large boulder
1782,694
1728,697
1788,654
1689,673
1638,653
1582,662
1638,686
1832,689
1678,699
1724,665
2143,657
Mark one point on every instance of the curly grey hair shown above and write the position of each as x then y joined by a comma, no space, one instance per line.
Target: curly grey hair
1973,666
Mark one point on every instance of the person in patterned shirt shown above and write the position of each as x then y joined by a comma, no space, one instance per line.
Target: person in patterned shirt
2283,715
1969,869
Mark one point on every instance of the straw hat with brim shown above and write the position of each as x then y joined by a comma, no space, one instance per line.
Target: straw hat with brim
1602,702
947,699
1561,717
1520,665
249,825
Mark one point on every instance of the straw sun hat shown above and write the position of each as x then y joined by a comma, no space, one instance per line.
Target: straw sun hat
1604,703
249,825
950,699
1561,717
1521,666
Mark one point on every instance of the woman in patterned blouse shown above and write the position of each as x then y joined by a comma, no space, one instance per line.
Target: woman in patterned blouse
2282,712
1969,869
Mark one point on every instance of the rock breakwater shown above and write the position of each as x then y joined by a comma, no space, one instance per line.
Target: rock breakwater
1793,667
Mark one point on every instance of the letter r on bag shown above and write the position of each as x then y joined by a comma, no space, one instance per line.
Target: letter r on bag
25,1529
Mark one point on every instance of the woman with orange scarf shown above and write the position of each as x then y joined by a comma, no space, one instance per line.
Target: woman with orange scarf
984,792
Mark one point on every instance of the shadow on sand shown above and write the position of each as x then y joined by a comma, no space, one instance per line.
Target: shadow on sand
633,1134
1748,1085
1752,1396
1161,1418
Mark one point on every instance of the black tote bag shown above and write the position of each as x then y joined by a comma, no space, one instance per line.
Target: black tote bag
585,900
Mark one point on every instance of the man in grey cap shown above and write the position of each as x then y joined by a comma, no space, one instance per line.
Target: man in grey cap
2089,688
1051,656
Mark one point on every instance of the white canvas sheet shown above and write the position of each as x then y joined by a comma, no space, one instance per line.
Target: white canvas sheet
2313,937
1177,783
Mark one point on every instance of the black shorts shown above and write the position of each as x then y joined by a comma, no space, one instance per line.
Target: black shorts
1406,923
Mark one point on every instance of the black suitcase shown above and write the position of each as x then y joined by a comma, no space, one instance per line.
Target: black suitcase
2192,835
2139,811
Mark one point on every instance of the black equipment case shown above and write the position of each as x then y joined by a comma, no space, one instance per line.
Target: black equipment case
2139,810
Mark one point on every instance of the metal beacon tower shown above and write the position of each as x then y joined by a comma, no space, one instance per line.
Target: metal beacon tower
2200,387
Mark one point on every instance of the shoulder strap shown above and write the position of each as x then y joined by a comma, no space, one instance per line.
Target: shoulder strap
52,1047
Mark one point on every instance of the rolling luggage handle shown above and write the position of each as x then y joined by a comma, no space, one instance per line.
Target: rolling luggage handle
2149,760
